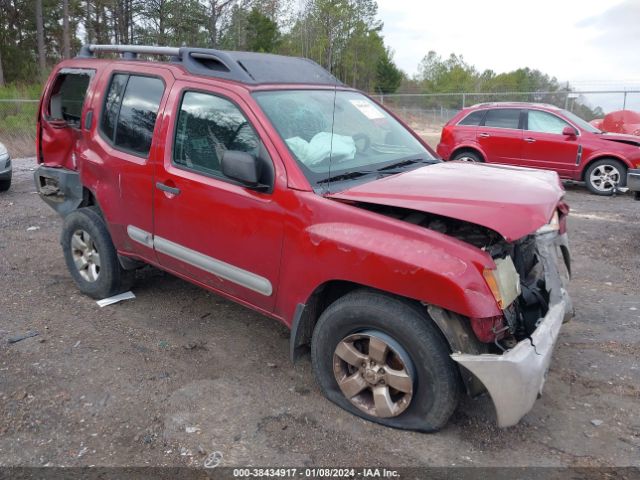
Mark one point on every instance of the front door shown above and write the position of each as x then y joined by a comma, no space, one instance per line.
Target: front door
546,147
208,227
500,136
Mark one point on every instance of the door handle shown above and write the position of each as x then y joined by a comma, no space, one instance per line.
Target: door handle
167,188
530,140
483,135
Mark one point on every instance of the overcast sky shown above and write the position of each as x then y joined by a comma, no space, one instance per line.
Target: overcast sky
592,43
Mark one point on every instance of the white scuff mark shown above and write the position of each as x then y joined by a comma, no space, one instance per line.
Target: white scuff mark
595,216
33,228
192,429
115,299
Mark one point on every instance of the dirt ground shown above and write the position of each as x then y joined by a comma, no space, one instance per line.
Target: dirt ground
179,373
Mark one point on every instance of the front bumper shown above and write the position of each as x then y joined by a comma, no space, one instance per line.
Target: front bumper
515,379
5,167
633,182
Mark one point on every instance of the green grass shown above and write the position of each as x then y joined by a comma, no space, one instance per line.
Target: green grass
18,118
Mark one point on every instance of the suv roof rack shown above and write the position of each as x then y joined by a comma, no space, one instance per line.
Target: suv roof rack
245,67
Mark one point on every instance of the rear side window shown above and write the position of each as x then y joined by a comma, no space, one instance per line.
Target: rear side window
68,94
130,112
473,119
207,126
502,118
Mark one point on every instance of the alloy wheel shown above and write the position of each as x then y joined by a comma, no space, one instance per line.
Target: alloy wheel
374,373
604,178
85,255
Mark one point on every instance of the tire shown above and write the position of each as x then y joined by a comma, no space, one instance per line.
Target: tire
5,184
468,156
90,255
602,175
415,345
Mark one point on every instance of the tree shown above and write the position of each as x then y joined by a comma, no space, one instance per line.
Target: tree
40,34
262,33
66,36
388,76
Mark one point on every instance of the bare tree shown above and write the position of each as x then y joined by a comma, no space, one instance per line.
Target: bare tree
217,9
40,35
66,38
1,72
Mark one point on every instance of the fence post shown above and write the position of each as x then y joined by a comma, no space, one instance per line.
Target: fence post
624,100
464,98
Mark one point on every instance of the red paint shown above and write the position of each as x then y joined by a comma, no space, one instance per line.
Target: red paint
522,147
293,237
621,121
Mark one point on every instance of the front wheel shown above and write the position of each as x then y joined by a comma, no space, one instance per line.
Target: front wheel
90,255
383,359
604,176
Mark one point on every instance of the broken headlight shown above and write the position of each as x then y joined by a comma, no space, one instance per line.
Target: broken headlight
552,226
503,281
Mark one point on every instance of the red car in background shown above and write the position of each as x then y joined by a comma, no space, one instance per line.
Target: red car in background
541,136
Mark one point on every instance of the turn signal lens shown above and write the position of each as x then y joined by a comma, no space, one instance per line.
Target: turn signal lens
492,282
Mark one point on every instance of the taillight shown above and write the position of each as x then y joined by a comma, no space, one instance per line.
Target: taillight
489,329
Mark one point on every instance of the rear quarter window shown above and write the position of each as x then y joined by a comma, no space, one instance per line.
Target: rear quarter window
473,119
68,95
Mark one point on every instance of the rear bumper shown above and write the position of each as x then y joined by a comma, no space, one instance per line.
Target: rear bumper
515,379
633,182
59,188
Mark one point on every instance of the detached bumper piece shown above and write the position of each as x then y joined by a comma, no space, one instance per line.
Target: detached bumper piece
515,379
59,188
633,182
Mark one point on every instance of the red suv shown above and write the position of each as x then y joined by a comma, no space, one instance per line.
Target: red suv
541,136
265,180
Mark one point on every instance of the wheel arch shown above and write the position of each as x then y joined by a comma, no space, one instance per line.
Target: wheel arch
605,156
468,148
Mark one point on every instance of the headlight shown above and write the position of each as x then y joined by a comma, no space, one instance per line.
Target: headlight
503,281
552,226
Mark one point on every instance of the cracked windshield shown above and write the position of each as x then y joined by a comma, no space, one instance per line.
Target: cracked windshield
339,135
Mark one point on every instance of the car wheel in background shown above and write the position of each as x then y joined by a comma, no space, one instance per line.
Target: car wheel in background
5,184
467,156
383,359
604,176
90,255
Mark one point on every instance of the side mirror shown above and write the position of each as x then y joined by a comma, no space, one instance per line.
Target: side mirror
241,166
569,131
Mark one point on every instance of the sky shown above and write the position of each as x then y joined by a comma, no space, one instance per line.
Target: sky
594,44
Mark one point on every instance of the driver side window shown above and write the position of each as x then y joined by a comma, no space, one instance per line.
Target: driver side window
207,126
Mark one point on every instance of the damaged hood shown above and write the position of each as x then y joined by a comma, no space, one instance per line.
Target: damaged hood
512,201
621,137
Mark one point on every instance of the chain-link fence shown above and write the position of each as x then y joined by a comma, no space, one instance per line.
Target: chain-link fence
425,113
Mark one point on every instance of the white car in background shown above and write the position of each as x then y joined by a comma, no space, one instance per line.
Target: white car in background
5,168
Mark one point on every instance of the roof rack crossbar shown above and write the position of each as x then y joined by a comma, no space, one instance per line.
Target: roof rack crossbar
89,50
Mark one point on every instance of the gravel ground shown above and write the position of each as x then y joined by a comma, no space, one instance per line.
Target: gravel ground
178,373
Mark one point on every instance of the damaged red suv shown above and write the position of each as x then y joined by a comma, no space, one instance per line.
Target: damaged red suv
541,136
263,179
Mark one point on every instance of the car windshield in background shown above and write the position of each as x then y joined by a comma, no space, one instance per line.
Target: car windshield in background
583,124
339,134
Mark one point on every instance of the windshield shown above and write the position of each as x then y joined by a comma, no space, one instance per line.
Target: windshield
583,124
333,134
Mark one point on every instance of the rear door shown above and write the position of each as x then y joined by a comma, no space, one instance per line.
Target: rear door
544,145
61,113
500,136
124,140
207,226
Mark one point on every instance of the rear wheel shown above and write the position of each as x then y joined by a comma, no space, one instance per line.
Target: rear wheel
467,156
604,176
383,359
90,255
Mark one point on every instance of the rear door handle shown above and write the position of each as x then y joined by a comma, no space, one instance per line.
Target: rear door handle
167,188
483,135
529,140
